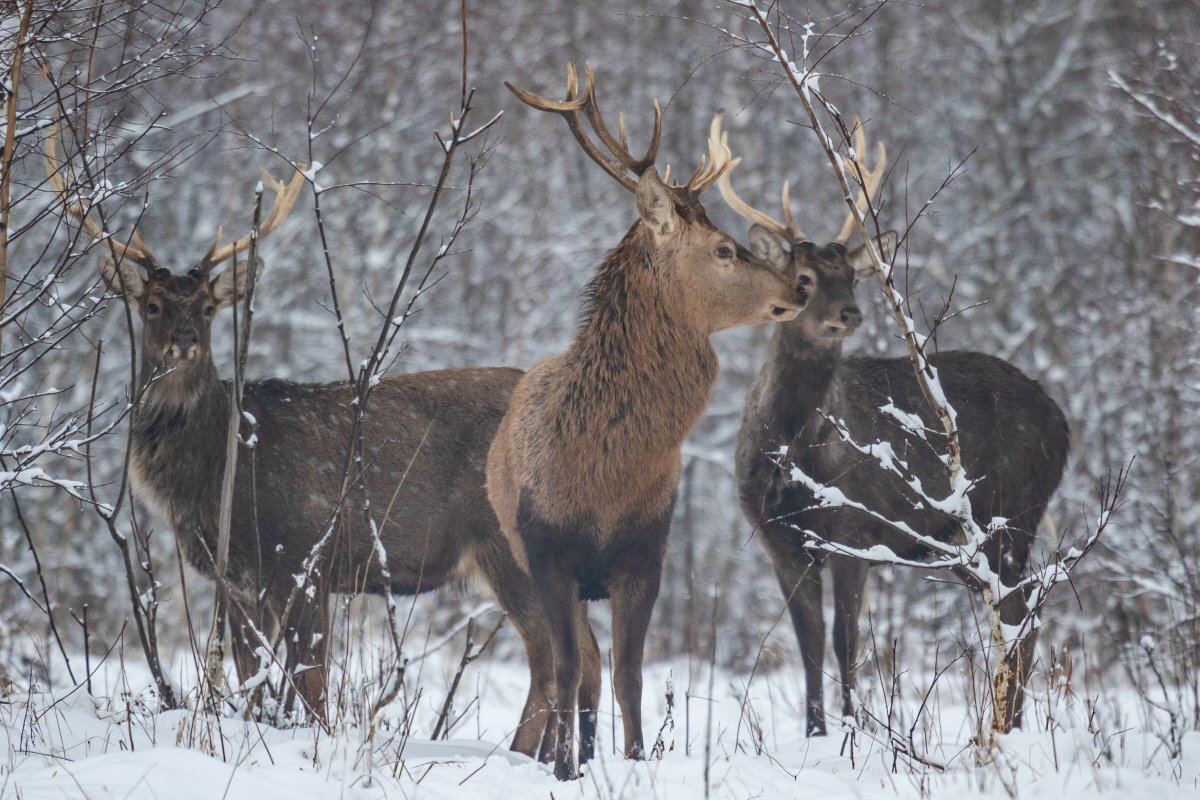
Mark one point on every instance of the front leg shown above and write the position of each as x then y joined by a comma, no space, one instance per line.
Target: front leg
633,587
799,576
849,577
548,549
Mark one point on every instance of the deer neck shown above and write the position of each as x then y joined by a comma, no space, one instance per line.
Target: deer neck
178,451
640,365
797,383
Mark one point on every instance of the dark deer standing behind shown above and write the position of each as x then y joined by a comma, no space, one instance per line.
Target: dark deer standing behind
427,436
585,467
1014,442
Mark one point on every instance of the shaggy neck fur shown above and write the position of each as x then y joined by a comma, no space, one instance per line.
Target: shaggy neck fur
603,422
179,451
799,381
640,369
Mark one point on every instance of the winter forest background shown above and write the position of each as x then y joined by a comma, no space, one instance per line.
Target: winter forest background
1070,239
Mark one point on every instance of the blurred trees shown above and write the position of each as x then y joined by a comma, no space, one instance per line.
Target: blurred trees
1073,237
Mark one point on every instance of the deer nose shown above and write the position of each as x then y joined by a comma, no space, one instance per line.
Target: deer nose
851,317
185,341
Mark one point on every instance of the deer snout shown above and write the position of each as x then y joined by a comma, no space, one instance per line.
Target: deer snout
783,310
784,313
183,346
844,322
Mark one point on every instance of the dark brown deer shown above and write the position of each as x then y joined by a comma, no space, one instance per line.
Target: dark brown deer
1013,437
585,467
427,436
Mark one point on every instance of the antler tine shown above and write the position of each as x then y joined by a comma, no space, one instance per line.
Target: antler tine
138,252
719,162
620,147
725,184
285,197
871,177
785,200
570,109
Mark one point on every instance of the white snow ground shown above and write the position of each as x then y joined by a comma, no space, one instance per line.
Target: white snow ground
63,744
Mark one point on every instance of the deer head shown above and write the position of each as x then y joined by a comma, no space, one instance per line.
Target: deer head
176,310
828,274
720,283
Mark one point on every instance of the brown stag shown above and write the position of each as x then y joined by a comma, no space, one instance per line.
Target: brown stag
1013,437
585,466
427,436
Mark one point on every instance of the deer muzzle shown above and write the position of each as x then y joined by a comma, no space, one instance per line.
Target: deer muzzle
184,348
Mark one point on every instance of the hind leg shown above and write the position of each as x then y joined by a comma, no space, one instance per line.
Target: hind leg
307,659
244,640
514,591
1008,555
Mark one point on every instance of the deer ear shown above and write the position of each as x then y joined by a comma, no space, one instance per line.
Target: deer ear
766,246
123,279
230,286
862,263
656,205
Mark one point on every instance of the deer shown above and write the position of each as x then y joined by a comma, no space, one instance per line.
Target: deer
585,467
1014,441
427,436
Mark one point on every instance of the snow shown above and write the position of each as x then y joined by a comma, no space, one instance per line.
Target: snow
64,744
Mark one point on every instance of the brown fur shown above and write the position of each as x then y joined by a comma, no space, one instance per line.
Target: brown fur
426,433
585,465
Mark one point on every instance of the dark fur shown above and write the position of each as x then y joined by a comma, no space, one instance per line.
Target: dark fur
1014,441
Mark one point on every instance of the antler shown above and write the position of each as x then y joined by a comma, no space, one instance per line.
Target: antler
786,229
870,180
285,198
619,161
136,251
575,104
717,166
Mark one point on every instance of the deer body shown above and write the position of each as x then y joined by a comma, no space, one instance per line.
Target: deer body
626,393
1013,439
585,465
287,486
426,437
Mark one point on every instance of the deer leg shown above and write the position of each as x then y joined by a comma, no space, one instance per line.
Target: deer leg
244,642
514,591
1014,611
849,577
799,577
307,659
557,591
633,588
559,594
589,687
1008,555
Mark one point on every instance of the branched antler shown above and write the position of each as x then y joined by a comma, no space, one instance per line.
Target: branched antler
619,161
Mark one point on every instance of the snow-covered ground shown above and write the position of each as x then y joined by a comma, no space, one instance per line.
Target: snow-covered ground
742,743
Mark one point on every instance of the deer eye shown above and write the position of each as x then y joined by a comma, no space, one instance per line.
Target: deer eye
804,280
152,308
209,310
725,252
